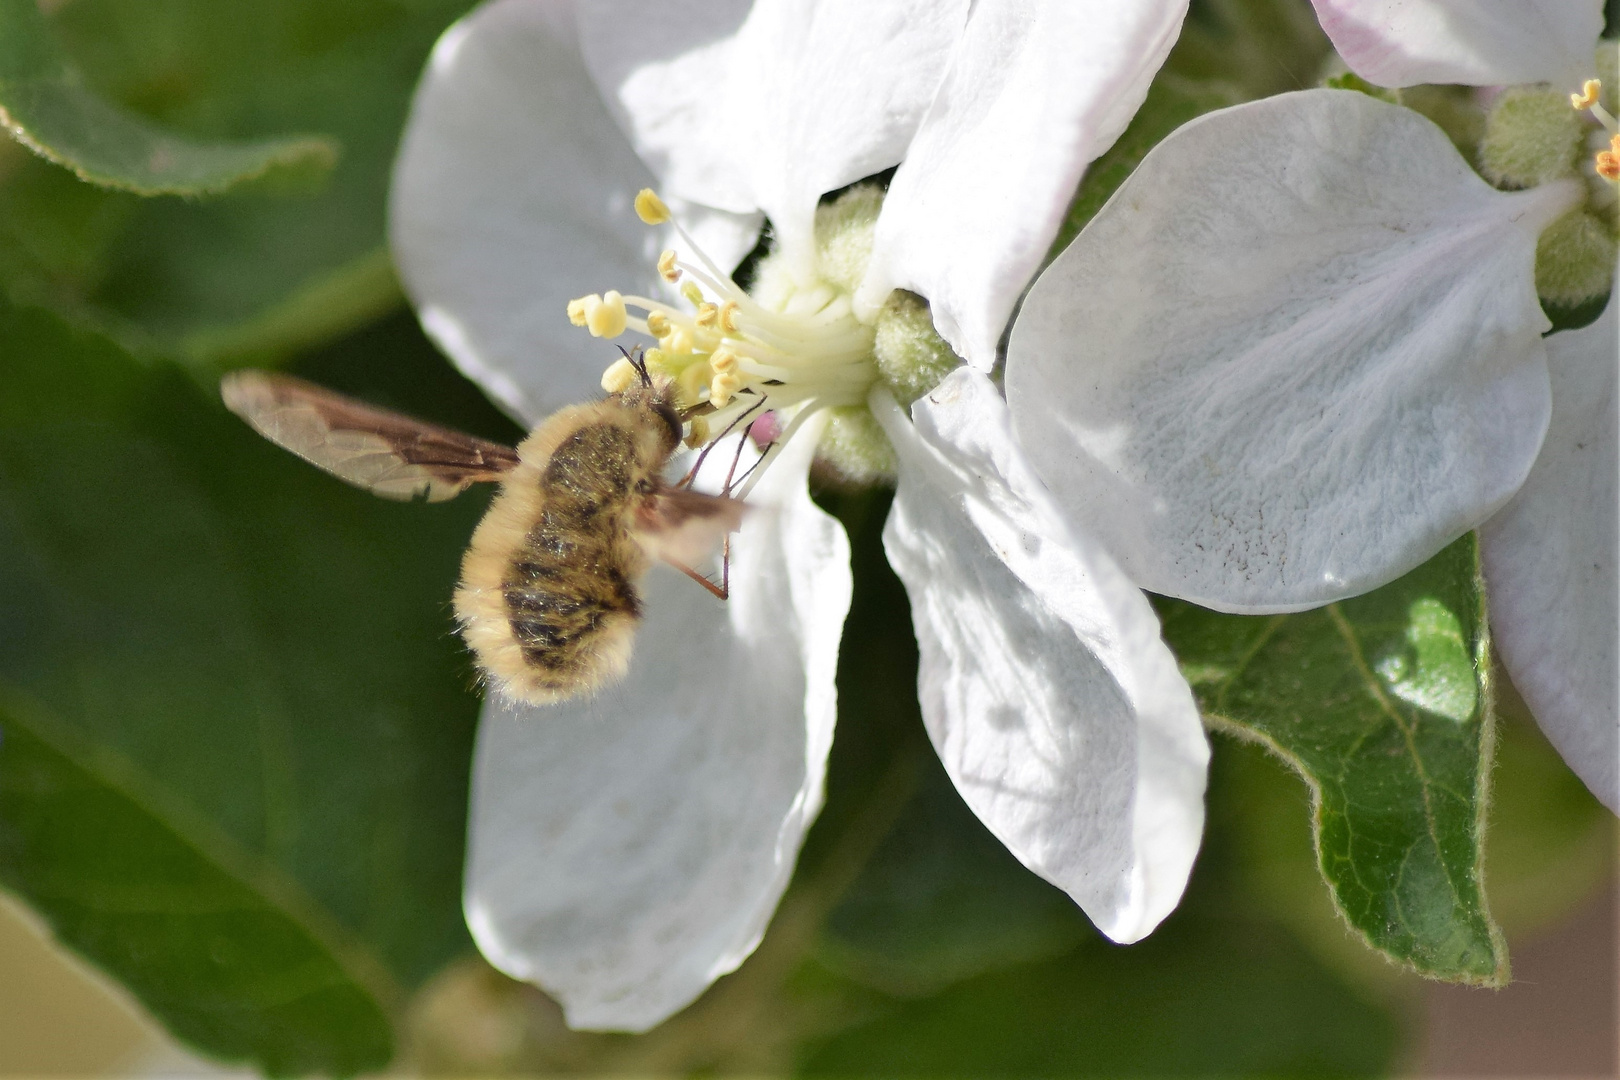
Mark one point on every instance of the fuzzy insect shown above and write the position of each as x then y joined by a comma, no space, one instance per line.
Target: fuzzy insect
548,600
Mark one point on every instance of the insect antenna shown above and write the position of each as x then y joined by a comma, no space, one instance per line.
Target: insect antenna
639,362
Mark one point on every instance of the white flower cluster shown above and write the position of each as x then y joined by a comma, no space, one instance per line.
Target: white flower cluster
1298,353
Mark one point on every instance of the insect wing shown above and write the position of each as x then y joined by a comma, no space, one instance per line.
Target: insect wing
681,526
386,453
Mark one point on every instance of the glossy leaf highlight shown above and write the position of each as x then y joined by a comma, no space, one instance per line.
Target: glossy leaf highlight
1382,704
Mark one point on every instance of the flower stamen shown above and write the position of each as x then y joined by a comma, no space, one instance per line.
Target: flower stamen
650,208
1588,100
1608,161
726,352
1579,102
619,377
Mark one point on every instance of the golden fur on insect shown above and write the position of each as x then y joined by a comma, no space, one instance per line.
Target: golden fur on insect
547,597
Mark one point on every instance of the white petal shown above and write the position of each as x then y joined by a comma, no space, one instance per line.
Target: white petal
1054,704
1550,562
1474,42
628,850
512,195
1036,91
1295,355
663,67
774,109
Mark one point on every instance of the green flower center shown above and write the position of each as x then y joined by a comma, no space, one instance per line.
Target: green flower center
790,348
1537,135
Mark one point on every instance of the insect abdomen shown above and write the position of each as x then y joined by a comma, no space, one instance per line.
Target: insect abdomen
548,599
564,590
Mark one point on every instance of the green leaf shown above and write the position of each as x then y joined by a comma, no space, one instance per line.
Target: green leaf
235,958
235,726
279,266
1382,705
46,106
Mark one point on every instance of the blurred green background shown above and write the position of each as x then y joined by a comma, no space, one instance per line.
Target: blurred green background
235,723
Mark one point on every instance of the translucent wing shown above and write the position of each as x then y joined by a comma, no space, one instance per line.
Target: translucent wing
391,455
681,526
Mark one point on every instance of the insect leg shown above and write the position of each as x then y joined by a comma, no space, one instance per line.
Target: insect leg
703,455
721,591
735,458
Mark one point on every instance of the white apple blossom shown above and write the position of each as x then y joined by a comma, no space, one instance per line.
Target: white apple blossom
1314,355
627,850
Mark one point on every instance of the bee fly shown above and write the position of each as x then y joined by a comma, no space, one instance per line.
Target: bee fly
547,600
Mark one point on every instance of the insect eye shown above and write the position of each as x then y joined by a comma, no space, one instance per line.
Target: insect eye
670,417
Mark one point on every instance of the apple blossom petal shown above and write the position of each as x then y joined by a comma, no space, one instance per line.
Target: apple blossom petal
663,68
770,108
1550,562
1055,706
1297,353
627,850
1037,90
1473,42
512,195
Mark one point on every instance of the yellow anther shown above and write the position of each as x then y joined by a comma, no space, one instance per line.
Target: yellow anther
707,315
657,323
693,294
579,309
721,387
728,317
1588,95
678,340
667,268
723,360
650,208
655,359
619,377
1608,165
697,432
606,318
691,381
